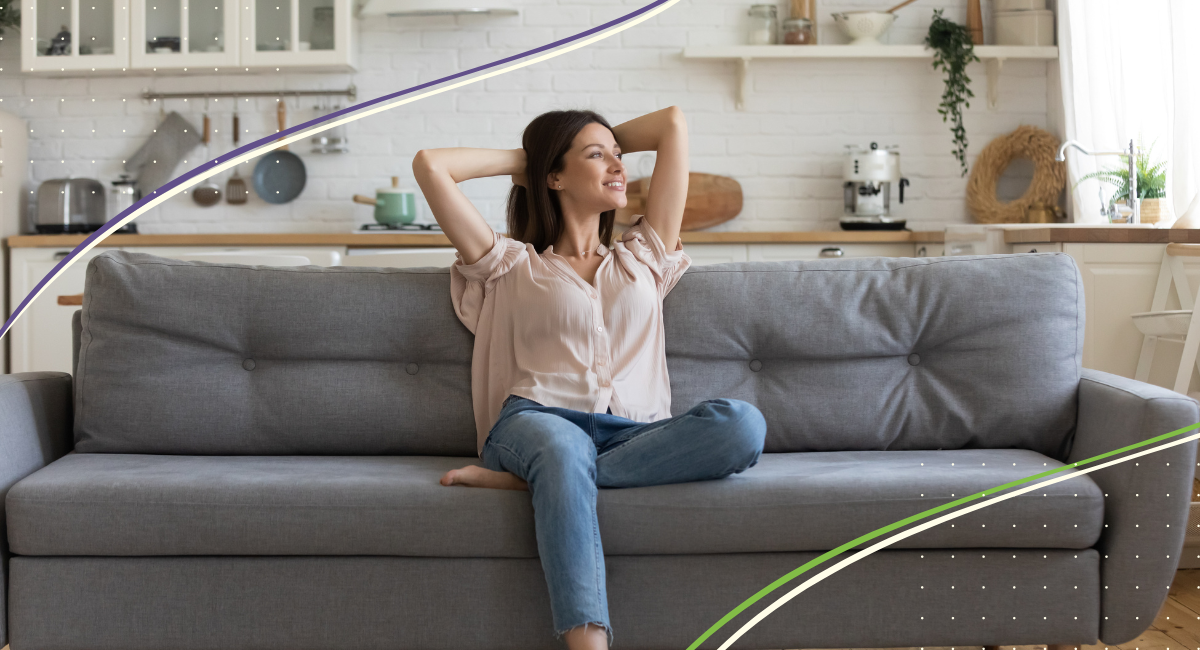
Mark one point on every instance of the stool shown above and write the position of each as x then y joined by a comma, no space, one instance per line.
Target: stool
1171,324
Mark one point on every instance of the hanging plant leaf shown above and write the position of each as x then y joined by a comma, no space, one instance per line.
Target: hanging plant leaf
952,51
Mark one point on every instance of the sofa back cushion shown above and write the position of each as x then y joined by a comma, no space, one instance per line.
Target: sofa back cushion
199,358
954,352
864,354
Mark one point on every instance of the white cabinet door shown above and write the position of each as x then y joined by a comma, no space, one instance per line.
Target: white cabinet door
292,33
785,252
184,34
41,338
438,256
96,34
715,253
1044,247
318,255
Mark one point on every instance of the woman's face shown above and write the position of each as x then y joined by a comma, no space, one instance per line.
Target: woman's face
593,176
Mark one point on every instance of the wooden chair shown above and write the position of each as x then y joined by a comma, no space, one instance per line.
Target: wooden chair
1171,324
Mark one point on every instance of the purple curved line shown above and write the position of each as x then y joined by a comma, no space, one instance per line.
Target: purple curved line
103,232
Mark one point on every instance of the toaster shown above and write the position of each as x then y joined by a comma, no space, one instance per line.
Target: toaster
68,205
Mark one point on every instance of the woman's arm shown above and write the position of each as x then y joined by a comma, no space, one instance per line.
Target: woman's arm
664,131
439,171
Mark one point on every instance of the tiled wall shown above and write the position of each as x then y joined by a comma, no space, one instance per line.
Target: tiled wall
785,149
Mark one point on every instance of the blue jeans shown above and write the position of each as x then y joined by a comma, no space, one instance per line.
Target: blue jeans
565,455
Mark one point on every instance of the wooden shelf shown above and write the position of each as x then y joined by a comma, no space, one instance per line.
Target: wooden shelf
993,56
858,52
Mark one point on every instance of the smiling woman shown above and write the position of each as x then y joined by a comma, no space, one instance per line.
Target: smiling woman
569,380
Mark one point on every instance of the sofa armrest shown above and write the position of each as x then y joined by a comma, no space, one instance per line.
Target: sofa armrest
1144,528
35,430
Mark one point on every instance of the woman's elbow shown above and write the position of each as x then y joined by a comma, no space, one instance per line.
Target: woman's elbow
423,162
677,117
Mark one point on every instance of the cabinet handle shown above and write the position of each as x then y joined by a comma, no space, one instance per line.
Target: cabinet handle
921,252
76,299
832,252
61,254
1033,250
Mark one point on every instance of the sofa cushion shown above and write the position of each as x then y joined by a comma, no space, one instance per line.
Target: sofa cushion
853,354
129,504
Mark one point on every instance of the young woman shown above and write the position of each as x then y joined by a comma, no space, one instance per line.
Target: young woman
569,376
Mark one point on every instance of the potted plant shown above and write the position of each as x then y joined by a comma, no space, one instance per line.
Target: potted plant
953,49
10,15
1151,184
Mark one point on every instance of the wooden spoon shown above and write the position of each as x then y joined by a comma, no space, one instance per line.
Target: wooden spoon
209,193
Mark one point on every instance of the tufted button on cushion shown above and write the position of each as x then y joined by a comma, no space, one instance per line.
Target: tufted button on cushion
248,364
756,365
914,359
411,368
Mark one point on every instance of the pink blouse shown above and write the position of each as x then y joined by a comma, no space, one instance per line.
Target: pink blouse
543,333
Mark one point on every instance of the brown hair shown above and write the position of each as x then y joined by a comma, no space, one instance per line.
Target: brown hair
534,213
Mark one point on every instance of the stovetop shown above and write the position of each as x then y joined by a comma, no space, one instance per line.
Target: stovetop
433,227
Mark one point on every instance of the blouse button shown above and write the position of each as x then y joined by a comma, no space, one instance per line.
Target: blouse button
599,328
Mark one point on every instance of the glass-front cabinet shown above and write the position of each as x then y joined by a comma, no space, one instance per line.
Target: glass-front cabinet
71,35
188,35
296,33
177,34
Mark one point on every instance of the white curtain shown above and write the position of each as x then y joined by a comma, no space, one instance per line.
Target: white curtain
1130,71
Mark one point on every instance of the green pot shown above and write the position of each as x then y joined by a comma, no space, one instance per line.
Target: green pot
393,205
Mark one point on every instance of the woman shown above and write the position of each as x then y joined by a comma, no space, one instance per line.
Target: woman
569,380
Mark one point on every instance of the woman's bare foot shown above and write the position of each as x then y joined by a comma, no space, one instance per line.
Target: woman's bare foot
476,476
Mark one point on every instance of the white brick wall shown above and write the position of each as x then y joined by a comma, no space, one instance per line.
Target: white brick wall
785,149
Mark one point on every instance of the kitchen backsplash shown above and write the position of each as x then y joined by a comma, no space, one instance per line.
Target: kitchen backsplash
785,149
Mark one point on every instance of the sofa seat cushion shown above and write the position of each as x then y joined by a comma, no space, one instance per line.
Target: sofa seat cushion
138,504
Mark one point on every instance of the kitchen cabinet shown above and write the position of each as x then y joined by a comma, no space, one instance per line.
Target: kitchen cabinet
290,33
784,252
318,255
95,35
178,34
183,35
41,338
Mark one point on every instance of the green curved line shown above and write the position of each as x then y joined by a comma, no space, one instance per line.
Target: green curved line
903,522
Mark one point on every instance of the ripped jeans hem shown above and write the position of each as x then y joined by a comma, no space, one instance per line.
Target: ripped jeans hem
559,635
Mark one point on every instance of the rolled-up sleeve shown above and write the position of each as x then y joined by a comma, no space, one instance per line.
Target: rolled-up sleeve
471,283
666,266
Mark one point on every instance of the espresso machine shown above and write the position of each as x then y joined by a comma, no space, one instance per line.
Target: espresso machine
869,175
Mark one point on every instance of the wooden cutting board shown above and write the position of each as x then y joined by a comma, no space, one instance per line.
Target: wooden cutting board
711,200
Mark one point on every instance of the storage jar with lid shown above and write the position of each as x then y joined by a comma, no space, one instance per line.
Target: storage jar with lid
764,25
797,31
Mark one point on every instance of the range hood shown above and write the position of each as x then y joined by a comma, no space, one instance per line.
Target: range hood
437,7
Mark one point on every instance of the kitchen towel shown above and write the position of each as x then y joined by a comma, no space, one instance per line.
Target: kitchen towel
155,162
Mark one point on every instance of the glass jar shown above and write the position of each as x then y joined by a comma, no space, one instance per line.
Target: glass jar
797,31
763,25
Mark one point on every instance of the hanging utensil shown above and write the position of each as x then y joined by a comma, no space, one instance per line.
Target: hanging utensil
209,193
235,187
279,176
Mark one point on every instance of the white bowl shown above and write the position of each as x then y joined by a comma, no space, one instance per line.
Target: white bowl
864,27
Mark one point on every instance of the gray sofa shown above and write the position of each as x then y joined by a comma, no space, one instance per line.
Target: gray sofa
248,457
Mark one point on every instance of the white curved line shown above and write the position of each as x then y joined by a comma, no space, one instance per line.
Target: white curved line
925,526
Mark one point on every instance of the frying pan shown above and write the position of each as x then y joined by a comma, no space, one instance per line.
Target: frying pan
279,176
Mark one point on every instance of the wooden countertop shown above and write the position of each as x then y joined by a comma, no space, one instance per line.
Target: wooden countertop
1102,235
395,239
